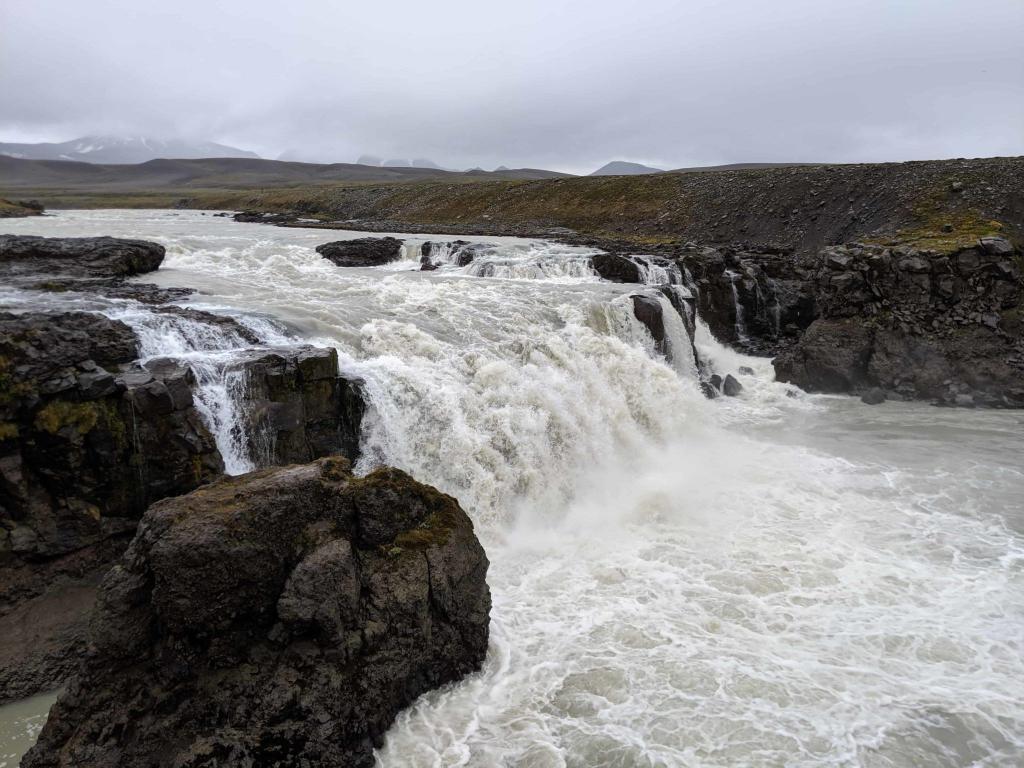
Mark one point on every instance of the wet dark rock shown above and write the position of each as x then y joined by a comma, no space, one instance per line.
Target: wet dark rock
78,256
86,443
746,370
616,268
260,217
363,252
874,396
83,439
281,618
755,300
10,209
731,386
297,407
647,310
831,357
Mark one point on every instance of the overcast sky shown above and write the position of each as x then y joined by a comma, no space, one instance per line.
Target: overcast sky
563,84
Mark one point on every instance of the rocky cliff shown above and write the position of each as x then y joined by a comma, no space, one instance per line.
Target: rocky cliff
89,438
280,618
916,324
940,323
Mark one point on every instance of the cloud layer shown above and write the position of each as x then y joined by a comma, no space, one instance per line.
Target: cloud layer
563,84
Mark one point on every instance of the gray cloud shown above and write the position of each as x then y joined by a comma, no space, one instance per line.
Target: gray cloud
565,84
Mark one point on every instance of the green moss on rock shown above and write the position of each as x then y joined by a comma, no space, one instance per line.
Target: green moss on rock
59,414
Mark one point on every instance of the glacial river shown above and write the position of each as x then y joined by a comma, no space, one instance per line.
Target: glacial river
770,580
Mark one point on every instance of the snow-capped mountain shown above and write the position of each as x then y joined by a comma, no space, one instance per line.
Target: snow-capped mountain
121,149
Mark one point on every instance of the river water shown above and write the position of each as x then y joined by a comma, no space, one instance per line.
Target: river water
772,580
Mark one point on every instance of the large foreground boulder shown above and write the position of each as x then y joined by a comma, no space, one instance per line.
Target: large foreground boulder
78,256
280,618
363,252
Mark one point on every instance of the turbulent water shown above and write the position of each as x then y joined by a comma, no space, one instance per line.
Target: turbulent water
760,581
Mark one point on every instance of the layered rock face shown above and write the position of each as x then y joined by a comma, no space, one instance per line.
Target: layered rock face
89,438
944,326
78,256
281,618
756,299
364,252
84,441
85,264
297,408
916,324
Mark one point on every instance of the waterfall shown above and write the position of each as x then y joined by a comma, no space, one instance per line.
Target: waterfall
207,348
741,325
657,272
535,268
678,339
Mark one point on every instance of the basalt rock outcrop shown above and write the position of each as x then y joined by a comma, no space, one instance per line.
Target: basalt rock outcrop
759,300
296,406
89,438
363,252
281,618
17,209
616,268
86,444
77,256
917,324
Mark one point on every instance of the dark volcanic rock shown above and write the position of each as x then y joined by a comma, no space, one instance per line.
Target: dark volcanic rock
15,210
78,256
281,618
731,387
297,406
757,300
942,326
874,396
85,443
616,268
647,310
364,252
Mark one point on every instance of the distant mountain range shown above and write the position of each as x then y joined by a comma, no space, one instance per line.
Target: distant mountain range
121,150
622,168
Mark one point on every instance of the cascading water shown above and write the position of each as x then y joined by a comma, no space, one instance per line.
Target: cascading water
220,390
741,325
659,272
764,580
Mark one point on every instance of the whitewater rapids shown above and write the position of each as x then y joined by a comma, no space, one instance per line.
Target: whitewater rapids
761,581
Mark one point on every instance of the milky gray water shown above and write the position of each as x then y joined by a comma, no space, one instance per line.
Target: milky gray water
772,580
